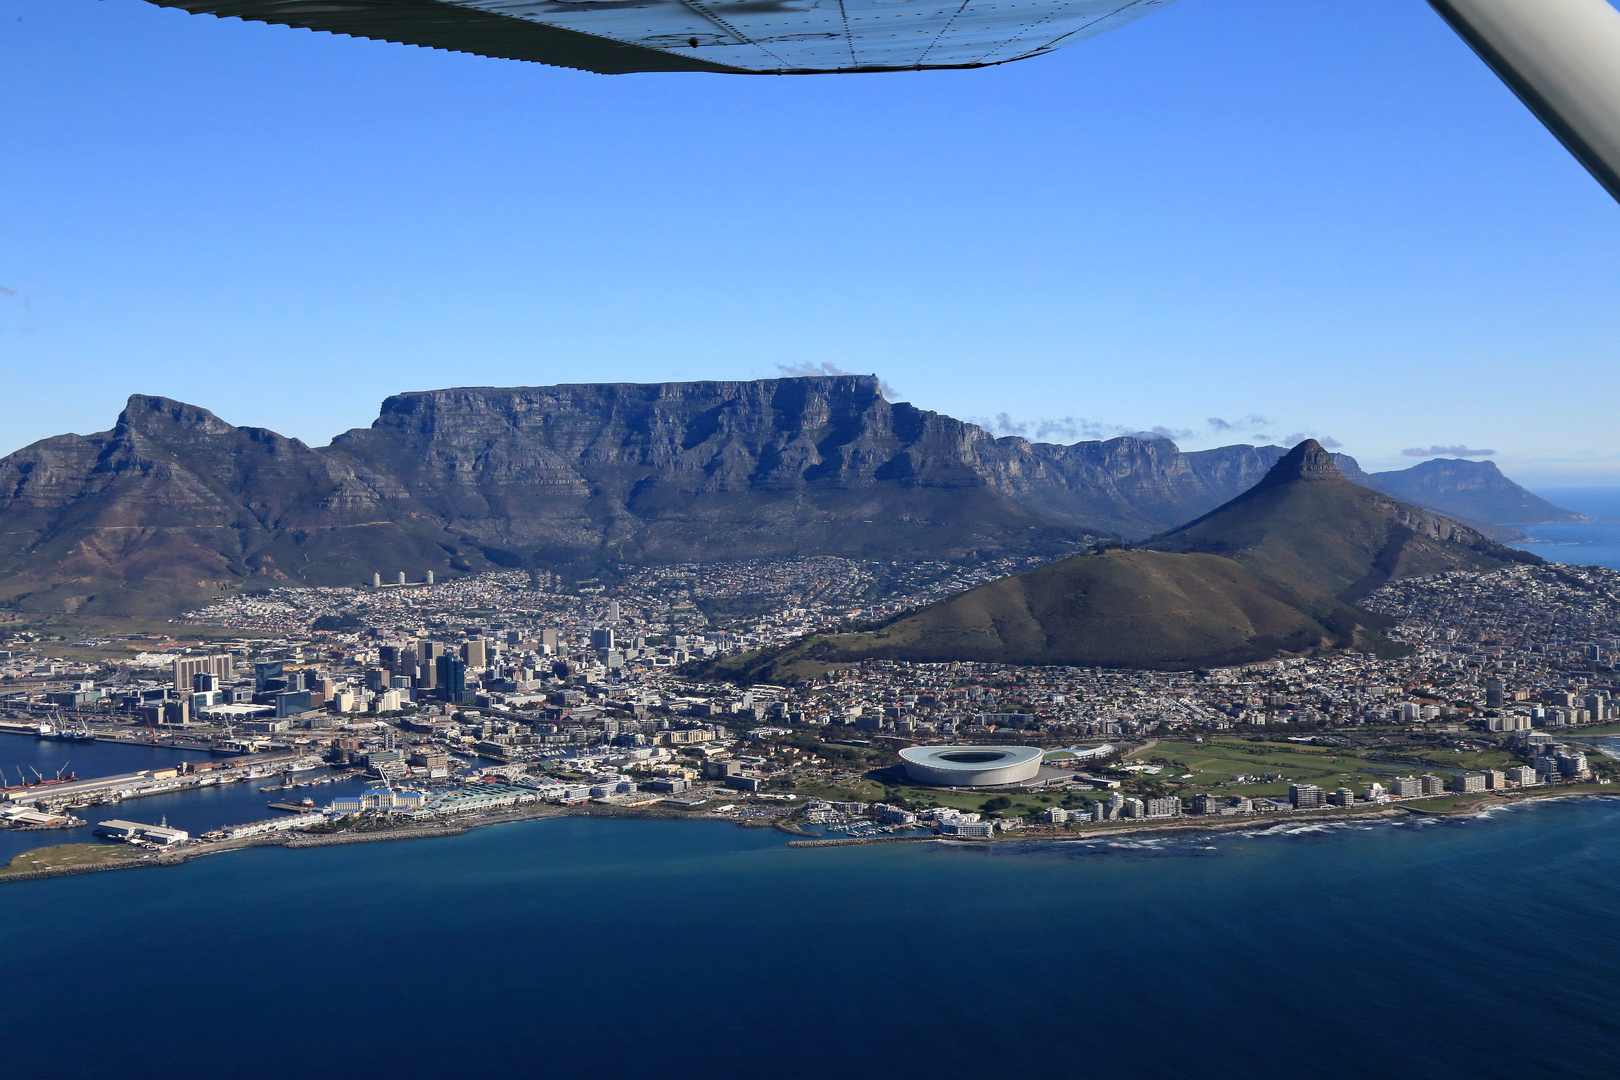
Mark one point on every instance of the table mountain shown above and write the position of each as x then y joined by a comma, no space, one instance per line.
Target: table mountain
1279,569
173,503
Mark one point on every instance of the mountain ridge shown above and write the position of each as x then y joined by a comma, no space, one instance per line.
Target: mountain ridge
174,504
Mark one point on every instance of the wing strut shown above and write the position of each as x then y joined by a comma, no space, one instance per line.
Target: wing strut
1562,57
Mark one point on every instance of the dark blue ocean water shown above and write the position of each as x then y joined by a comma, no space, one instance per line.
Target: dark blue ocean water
1583,543
574,947
195,810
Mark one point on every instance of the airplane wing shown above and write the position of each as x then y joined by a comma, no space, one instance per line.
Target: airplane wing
759,37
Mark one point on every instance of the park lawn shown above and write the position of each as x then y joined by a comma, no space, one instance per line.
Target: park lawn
1213,764
852,791
62,855
1470,760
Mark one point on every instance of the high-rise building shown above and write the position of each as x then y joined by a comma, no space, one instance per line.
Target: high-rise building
1405,787
1432,785
548,641
430,577
475,653
264,673
451,675
602,638
204,682
1169,806
221,664
1468,782
293,702
1306,796
1495,694
613,613
401,579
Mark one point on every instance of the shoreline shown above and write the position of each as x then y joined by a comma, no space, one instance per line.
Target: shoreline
802,839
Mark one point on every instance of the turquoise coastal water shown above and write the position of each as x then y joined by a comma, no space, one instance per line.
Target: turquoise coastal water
1476,948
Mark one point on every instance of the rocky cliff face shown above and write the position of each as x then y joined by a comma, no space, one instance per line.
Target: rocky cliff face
173,502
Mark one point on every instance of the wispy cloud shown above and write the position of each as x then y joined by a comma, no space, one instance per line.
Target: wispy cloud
1252,422
1076,429
1445,451
1327,441
1046,429
800,371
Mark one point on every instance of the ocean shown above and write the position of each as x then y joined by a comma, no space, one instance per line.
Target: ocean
1583,543
1475,948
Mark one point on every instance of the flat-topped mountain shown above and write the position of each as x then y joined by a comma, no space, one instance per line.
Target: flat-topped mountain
1279,569
174,503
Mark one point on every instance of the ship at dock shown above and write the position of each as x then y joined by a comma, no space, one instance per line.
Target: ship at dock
56,729
39,781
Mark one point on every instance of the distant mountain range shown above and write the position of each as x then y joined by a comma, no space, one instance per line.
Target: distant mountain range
1280,569
1474,492
174,504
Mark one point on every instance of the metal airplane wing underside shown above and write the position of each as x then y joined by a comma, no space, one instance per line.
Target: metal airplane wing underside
761,37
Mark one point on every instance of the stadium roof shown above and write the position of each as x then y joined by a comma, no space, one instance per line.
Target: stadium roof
762,37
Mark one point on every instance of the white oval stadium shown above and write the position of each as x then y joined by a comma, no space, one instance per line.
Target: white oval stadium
971,766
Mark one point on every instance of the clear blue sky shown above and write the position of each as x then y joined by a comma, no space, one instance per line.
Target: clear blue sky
1326,215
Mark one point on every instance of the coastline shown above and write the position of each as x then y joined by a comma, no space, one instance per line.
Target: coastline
1472,808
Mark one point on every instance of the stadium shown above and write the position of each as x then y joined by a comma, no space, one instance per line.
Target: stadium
971,766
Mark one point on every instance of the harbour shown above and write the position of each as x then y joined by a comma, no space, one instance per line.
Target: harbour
109,766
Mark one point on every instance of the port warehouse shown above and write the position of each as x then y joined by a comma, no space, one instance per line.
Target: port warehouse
148,782
117,829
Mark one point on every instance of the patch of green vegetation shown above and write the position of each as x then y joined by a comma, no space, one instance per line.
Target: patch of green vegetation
1471,760
1214,762
59,856
852,791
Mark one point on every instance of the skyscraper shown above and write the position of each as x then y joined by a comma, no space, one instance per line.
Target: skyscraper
451,672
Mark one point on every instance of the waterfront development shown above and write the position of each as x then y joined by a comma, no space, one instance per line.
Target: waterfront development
400,708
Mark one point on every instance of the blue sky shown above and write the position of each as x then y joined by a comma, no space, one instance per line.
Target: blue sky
1297,216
